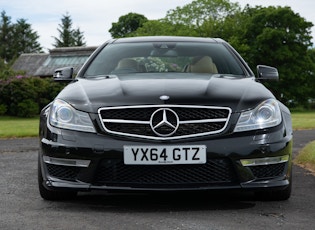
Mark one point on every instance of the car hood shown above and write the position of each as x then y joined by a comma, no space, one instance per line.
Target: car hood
145,89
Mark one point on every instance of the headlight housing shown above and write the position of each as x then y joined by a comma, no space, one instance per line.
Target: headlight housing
63,115
265,115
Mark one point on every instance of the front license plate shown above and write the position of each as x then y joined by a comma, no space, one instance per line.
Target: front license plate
161,155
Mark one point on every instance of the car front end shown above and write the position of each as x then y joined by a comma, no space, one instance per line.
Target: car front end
165,132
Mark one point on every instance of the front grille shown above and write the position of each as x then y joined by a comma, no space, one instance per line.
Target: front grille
268,171
138,121
115,173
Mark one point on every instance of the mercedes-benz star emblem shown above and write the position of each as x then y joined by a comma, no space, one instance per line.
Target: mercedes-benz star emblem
164,122
164,97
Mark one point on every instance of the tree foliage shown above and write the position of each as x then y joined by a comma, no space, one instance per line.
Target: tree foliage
163,27
6,35
203,16
16,38
279,37
25,96
25,38
68,37
200,18
127,24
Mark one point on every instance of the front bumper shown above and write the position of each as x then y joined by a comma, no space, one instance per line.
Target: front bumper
85,161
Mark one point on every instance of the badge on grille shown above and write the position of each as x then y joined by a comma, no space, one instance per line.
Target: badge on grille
164,97
164,122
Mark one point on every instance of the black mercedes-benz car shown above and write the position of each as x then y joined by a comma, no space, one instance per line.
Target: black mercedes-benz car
165,114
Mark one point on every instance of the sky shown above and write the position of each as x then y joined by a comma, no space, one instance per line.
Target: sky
95,17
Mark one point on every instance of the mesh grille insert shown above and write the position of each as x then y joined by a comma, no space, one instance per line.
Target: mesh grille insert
268,171
63,172
115,173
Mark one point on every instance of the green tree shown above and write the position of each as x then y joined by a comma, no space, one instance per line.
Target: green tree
6,36
25,39
16,38
279,37
202,16
78,38
163,28
311,53
68,37
127,24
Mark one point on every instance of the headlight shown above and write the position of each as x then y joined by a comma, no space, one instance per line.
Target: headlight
63,115
265,115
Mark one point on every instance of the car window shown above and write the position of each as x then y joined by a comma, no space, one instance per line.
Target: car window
148,57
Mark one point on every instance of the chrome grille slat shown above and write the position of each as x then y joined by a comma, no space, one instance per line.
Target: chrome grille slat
134,121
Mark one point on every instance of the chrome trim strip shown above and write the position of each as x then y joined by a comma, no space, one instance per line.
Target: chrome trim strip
126,121
265,161
203,121
66,162
148,122
164,106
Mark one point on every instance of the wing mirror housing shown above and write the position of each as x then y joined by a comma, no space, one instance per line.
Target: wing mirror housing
63,74
267,73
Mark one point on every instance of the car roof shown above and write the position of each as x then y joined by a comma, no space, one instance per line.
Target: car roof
166,39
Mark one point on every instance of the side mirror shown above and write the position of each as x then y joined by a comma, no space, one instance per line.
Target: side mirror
267,73
63,74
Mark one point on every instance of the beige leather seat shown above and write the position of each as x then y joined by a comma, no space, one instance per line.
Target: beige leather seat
127,63
202,64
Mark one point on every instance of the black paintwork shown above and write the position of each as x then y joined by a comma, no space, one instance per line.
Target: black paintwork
240,93
237,93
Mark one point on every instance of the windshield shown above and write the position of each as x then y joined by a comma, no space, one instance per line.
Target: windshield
152,57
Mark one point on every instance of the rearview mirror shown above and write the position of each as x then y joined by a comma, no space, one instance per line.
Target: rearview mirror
267,73
63,74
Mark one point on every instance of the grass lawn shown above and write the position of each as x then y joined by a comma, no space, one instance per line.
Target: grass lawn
303,120
13,127
306,157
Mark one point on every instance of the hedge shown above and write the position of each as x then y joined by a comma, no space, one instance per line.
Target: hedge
25,96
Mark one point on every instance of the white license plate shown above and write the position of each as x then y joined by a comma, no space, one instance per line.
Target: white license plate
161,155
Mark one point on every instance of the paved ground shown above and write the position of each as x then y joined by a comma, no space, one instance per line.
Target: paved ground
22,208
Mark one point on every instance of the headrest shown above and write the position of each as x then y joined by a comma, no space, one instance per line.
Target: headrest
203,64
127,63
